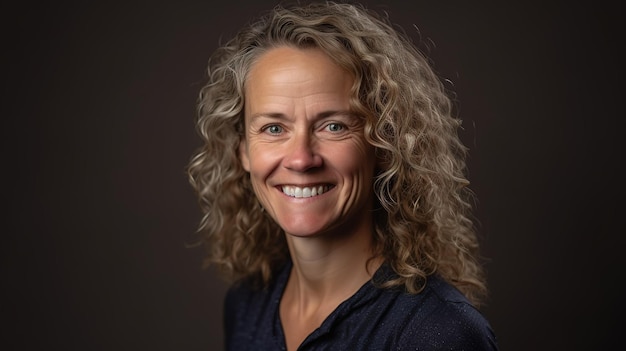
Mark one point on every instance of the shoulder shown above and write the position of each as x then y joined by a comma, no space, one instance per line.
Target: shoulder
238,295
251,290
250,309
245,298
447,320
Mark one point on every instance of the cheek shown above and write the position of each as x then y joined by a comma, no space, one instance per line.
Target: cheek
357,159
261,161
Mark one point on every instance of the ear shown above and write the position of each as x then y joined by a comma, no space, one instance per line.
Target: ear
243,154
382,163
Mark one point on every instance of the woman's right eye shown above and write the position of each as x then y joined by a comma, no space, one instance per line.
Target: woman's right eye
274,129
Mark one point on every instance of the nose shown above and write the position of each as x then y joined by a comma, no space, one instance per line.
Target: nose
301,154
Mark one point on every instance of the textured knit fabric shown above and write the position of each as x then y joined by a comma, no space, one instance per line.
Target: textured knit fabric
438,318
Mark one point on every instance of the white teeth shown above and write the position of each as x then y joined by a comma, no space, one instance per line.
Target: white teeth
306,191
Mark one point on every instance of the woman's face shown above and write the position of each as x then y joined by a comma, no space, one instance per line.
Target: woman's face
309,163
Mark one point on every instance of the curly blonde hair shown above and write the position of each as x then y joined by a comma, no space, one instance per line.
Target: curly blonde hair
423,218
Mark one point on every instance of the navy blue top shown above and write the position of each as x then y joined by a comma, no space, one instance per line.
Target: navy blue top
438,318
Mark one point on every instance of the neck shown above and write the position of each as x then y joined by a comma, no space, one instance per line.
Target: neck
329,267
327,270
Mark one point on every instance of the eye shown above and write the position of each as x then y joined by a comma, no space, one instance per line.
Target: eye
274,129
335,127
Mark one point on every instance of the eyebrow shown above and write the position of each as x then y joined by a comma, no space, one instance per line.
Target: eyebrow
321,115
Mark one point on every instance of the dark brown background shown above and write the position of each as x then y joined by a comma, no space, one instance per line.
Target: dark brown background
98,109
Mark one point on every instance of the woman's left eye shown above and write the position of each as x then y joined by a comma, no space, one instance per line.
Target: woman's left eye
334,127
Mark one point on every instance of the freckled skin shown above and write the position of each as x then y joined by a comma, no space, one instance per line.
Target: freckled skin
299,132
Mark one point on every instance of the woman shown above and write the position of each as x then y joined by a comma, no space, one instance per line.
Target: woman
332,185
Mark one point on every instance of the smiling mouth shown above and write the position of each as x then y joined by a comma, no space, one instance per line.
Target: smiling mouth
303,192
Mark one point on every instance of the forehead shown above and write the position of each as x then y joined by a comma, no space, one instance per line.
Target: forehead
291,75
293,65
